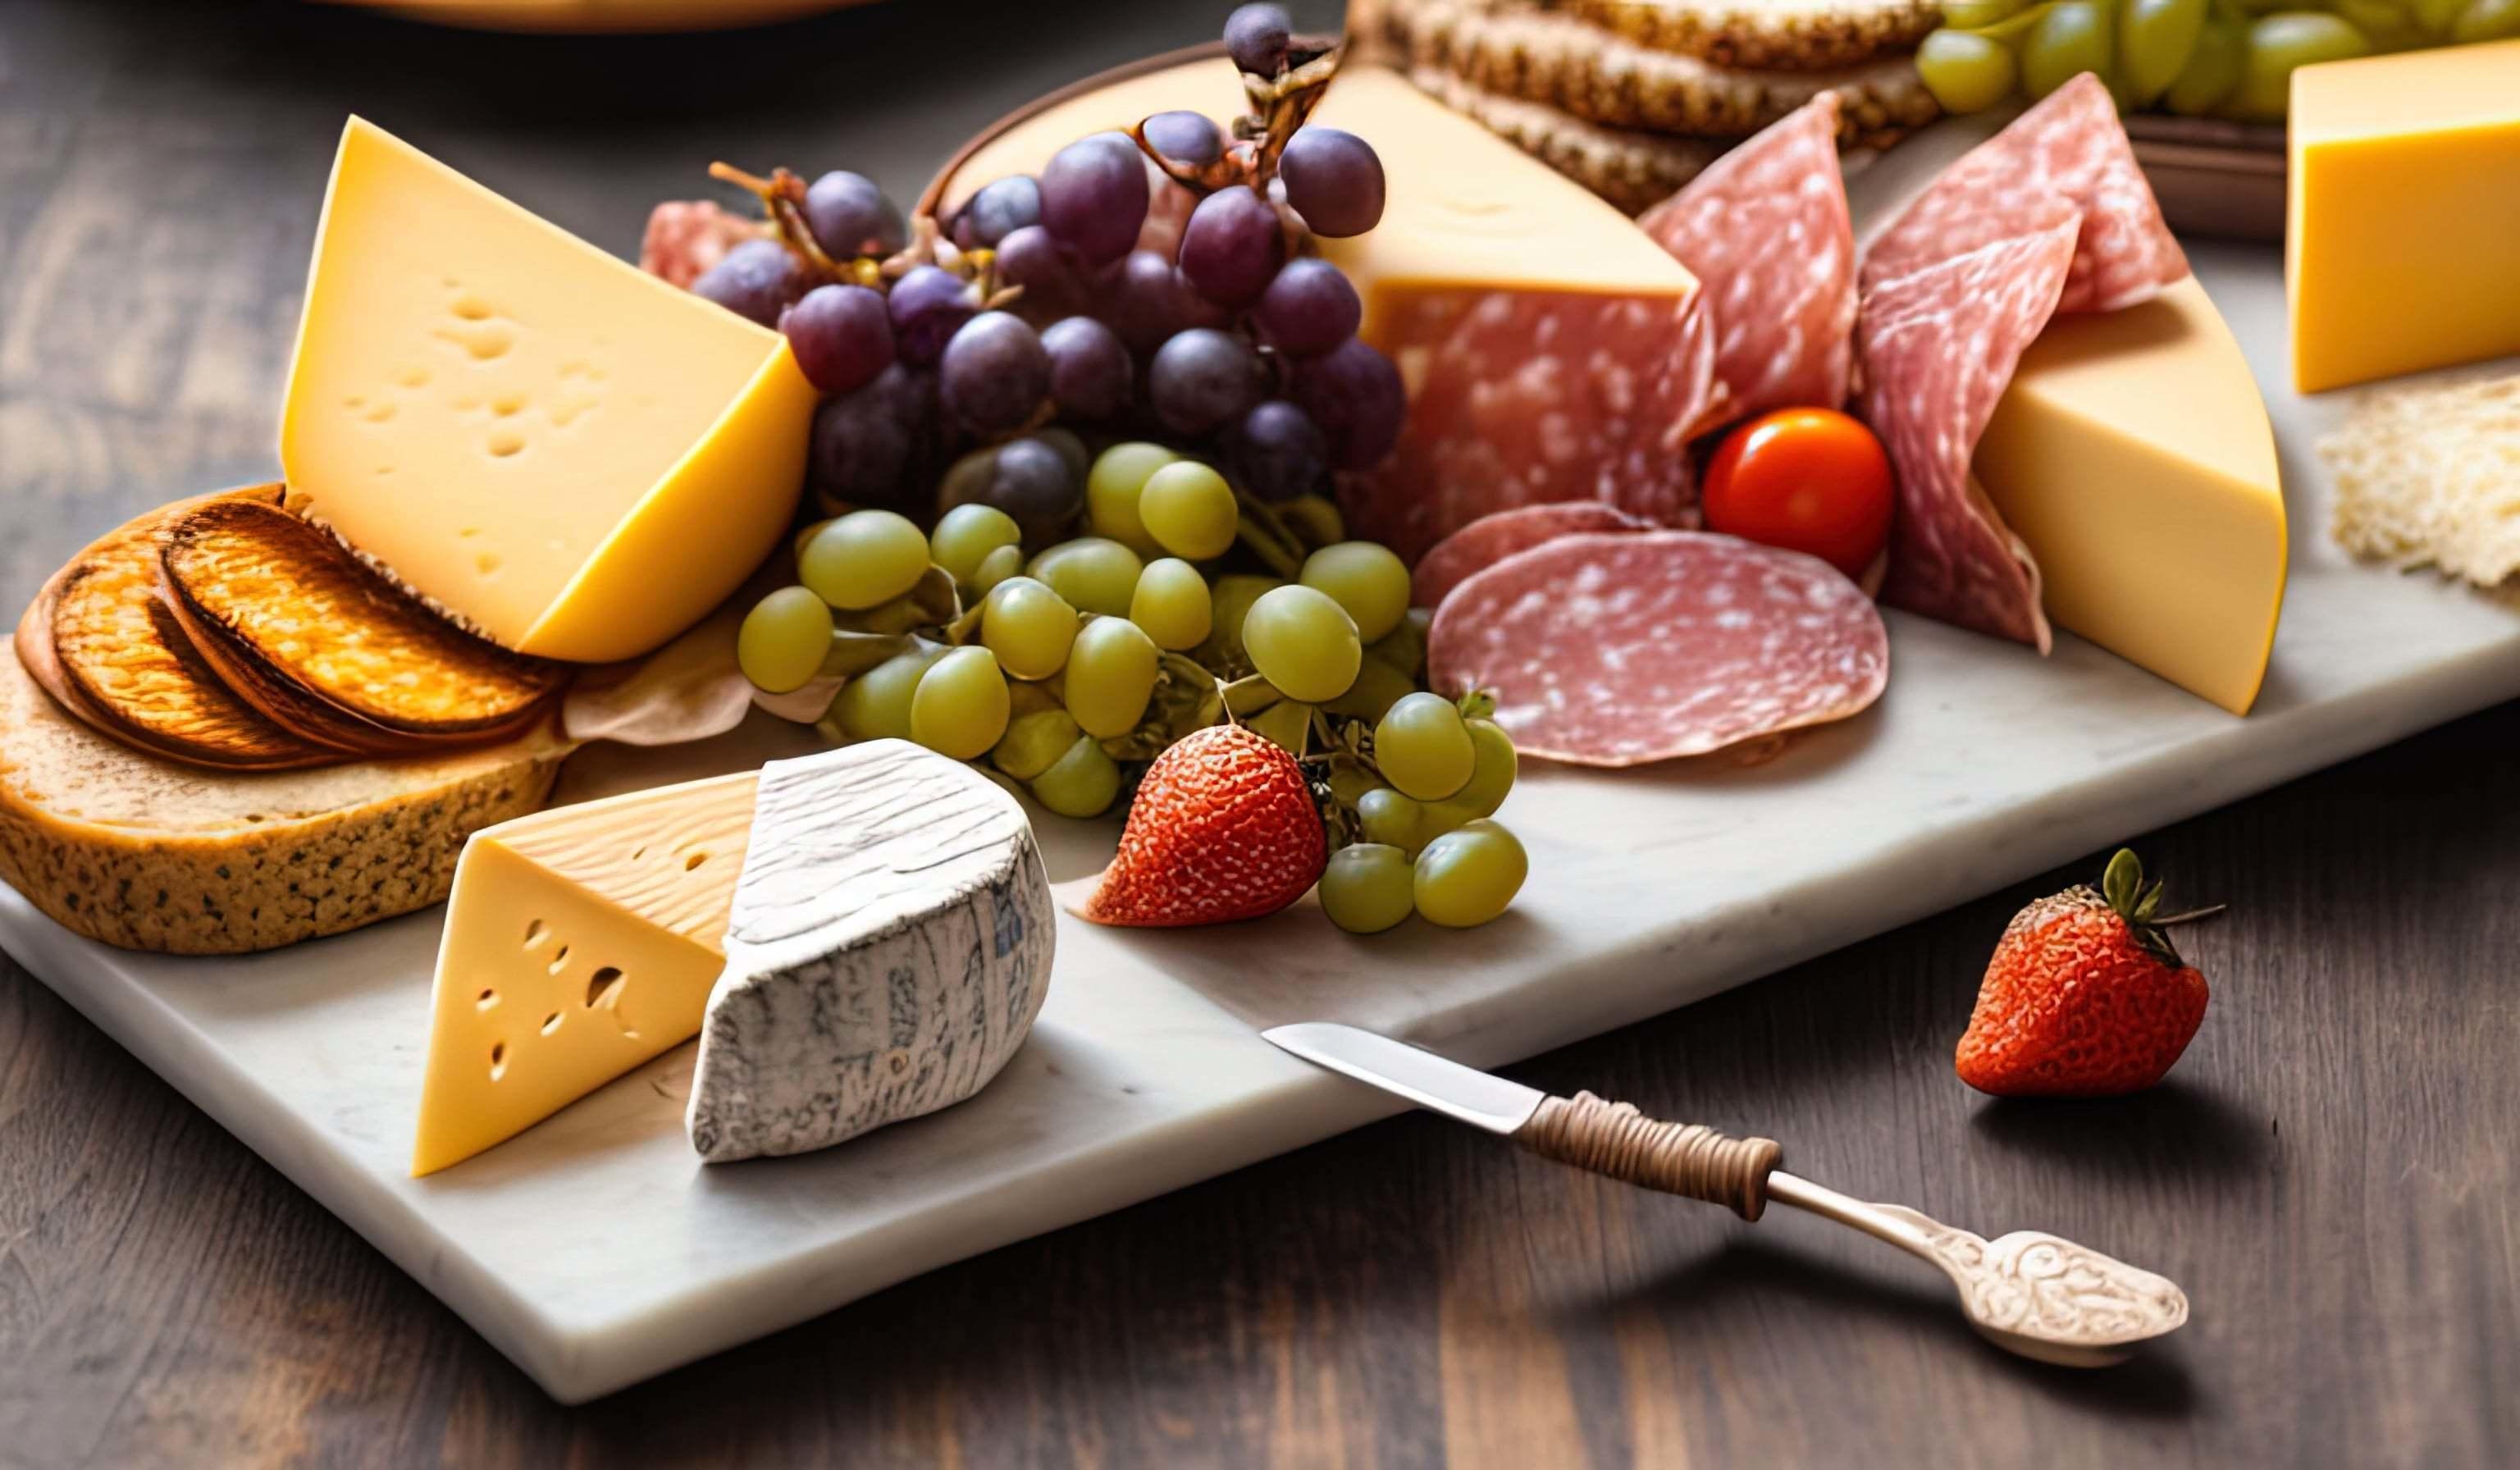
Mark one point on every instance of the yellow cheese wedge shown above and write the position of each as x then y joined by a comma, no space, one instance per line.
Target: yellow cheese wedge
567,454
2401,250
579,943
2131,453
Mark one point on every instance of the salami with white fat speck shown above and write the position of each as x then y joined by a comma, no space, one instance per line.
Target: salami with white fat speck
1765,229
1617,650
1490,539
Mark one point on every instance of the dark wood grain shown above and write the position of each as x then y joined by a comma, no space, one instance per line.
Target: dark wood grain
2330,1171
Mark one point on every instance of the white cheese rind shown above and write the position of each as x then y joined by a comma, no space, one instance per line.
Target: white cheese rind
889,945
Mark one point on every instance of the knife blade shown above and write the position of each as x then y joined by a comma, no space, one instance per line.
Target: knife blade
1435,1082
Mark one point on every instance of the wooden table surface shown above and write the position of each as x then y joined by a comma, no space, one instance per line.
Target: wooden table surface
2330,1172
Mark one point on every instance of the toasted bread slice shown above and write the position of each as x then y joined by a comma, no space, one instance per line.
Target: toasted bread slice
1789,35
330,650
98,639
133,850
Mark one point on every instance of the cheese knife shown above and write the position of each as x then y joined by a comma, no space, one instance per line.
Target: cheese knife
2027,1292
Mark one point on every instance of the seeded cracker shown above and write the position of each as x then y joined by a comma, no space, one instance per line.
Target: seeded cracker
1787,34
1635,171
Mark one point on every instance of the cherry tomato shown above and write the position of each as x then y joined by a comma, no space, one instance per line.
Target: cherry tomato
1809,479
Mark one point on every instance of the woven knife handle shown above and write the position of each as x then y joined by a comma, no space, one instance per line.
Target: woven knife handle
1688,1159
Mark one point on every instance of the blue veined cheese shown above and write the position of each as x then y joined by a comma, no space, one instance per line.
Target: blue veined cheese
888,945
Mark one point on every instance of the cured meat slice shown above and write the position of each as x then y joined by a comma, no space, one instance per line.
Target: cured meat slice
1619,649
1521,398
1938,347
1766,232
2071,144
1490,539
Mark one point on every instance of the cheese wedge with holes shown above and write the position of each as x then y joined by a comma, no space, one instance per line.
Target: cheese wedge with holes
562,453
2131,454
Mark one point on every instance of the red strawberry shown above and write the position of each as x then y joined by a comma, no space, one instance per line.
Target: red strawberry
2084,996
1223,828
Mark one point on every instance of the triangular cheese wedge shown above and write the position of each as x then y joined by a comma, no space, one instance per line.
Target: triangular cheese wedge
579,943
2131,453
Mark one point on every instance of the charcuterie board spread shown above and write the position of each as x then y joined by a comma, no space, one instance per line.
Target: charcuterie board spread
891,701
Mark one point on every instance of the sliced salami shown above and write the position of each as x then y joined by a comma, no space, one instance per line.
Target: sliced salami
1939,346
2070,144
1490,539
1521,398
1765,229
1620,650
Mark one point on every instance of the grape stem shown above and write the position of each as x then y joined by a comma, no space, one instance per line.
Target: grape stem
1279,105
783,201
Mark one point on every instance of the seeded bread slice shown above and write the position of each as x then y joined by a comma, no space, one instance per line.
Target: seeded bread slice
1795,35
1635,171
145,854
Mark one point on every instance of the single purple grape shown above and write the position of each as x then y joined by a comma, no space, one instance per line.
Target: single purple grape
869,444
1091,376
999,210
1277,451
1094,197
929,304
1333,180
993,374
756,281
1309,308
1028,258
1070,447
1232,247
1355,394
840,334
1145,300
851,216
1255,36
1033,483
1184,137
1204,377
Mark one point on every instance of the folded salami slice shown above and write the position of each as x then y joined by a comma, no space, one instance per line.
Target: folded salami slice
1765,229
1616,650
1490,539
2070,144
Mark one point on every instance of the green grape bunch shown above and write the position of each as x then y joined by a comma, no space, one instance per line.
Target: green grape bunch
2229,58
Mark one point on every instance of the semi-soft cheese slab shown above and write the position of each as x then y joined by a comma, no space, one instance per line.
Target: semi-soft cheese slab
567,454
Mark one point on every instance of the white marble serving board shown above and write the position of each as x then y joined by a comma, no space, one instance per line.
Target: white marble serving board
595,1250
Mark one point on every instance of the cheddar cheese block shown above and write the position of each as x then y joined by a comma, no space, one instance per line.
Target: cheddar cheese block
147,854
559,452
2401,244
2131,454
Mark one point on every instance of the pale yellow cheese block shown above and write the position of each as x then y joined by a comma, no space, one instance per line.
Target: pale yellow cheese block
2401,249
579,943
2131,454
564,454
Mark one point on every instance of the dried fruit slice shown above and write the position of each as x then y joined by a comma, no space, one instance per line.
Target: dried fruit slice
331,651
99,640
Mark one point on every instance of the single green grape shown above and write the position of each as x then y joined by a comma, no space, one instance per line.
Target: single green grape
2155,39
1304,643
1468,877
1490,778
1422,748
1081,782
1232,597
1969,15
1315,519
781,646
1033,741
1366,580
965,535
2073,37
1367,887
1112,487
1095,573
2388,24
1287,723
1028,625
996,568
1110,676
1189,510
1405,647
876,704
1377,687
959,707
1965,71
2486,20
1172,603
1393,820
2437,17
2279,45
2212,70
863,559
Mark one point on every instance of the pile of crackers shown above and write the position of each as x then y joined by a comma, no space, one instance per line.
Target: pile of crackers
1632,98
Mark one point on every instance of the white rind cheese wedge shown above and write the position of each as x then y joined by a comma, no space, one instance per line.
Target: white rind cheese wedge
889,945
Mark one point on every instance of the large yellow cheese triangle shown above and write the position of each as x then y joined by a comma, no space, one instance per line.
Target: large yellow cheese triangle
579,943
2131,453
569,456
